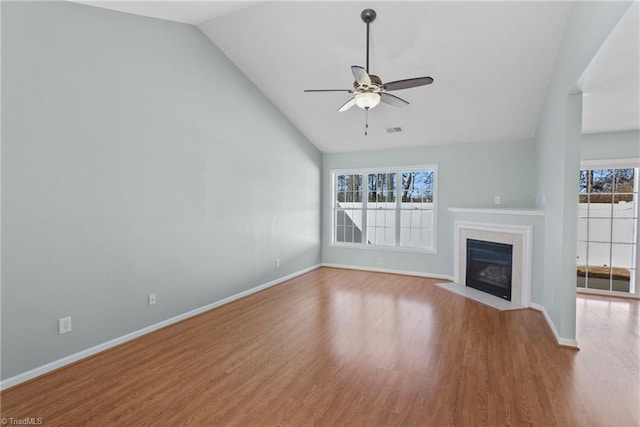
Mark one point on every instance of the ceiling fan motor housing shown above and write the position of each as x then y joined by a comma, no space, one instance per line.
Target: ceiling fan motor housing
376,84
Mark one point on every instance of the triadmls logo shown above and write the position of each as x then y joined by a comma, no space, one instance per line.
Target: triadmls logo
27,421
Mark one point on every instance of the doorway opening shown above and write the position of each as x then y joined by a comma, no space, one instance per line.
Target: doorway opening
607,246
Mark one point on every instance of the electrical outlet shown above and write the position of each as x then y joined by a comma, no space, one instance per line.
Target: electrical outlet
64,325
380,261
277,262
152,299
497,200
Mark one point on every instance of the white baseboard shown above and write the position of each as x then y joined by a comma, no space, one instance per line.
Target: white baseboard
389,270
41,370
561,341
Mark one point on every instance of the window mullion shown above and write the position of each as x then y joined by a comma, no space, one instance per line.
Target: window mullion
365,200
398,206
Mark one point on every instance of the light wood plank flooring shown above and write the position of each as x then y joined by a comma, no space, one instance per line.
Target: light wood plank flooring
339,347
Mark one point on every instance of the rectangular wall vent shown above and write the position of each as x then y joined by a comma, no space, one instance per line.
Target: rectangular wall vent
394,129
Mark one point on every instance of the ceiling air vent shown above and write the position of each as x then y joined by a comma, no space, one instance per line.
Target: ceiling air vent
394,130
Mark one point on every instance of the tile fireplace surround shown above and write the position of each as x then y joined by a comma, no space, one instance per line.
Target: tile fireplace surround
517,235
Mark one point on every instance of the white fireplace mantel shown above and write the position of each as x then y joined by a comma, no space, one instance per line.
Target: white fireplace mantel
499,211
519,236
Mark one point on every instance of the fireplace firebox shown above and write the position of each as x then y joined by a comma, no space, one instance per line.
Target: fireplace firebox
489,266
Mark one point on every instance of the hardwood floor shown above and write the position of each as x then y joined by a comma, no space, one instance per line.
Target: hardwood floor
340,347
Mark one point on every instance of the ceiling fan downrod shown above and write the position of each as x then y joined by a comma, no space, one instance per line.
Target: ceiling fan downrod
368,16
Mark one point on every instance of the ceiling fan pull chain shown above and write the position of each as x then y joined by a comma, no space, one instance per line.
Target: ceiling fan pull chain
366,121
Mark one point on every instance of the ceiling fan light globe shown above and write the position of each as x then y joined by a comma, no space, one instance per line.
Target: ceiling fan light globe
367,100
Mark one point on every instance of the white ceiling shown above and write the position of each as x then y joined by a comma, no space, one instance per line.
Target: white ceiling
611,82
188,12
491,63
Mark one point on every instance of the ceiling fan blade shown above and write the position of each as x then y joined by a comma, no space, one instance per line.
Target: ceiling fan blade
408,83
361,75
350,103
329,90
387,98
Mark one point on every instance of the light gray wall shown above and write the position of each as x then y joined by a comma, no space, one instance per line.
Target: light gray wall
135,159
610,145
469,176
558,156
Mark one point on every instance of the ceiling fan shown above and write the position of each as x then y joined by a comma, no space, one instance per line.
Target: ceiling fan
368,89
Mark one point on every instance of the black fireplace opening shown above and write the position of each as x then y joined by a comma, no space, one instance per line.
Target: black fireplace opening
489,267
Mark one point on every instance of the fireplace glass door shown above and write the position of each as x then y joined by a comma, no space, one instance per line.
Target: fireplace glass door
489,267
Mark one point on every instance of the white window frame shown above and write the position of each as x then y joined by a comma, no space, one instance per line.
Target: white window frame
634,291
365,198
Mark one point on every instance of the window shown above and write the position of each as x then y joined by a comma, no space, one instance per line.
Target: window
395,209
608,229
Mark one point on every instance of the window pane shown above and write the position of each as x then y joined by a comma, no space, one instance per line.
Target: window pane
427,239
390,220
602,180
582,229
416,238
599,278
599,254
583,184
427,219
624,205
348,188
417,187
581,279
583,207
624,230
340,233
600,229
358,182
622,255
357,235
621,279
356,218
340,217
581,255
390,236
416,219
405,218
600,209
348,234
371,235
624,180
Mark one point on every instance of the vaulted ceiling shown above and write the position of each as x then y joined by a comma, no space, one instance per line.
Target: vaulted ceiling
491,63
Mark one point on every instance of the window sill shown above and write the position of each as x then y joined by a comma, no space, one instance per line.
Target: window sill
383,248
